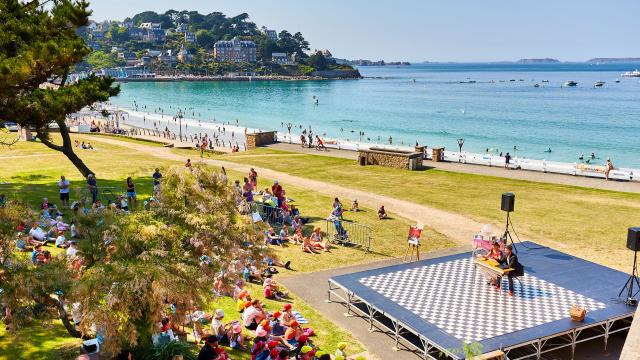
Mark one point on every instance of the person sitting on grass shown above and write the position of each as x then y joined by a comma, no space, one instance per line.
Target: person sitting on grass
317,241
275,262
270,237
284,234
251,273
211,350
38,234
287,314
277,329
3,200
243,298
296,223
61,241
307,246
22,245
217,327
354,206
297,237
294,335
239,287
60,224
50,208
382,213
236,339
271,289
253,315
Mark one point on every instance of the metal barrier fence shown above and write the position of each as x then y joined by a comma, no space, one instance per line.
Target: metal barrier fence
270,214
348,233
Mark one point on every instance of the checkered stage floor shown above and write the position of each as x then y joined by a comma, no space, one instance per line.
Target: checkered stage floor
455,297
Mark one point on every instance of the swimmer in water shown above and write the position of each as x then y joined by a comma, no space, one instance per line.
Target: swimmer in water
548,150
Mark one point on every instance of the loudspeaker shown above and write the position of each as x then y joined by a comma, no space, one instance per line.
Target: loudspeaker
508,202
633,239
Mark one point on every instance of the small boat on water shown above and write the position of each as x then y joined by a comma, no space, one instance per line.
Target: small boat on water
635,73
598,84
512,80
617,80
545,81
570,83
536,85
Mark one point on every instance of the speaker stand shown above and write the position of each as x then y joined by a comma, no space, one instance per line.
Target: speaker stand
506,237
633,279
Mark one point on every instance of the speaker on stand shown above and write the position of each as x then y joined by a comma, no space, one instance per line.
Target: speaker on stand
508,205
633,243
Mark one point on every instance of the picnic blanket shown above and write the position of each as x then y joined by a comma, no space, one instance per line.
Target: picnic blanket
299,318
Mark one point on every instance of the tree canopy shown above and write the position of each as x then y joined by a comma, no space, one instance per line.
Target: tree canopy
131,267
40,46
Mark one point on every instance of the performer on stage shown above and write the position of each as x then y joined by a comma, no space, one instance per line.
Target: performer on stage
494,254
510,260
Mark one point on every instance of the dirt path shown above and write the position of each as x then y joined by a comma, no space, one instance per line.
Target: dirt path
456,227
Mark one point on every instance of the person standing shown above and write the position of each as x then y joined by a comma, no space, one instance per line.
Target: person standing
131,193
92,185
507,159
608,168
64,184
510,261
253,178
157,176
276,190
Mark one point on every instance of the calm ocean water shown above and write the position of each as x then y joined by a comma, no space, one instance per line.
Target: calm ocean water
435,109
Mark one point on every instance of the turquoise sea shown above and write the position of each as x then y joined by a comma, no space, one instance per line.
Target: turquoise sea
427,103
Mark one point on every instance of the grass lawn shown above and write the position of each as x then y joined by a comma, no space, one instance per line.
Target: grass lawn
589,223
30,171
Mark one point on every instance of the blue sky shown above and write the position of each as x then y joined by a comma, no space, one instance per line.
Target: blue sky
445,30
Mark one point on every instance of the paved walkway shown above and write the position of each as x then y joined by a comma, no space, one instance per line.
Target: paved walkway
626,186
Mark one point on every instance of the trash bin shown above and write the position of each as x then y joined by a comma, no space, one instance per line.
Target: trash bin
437,154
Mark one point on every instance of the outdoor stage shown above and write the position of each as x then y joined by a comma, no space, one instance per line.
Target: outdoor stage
433,306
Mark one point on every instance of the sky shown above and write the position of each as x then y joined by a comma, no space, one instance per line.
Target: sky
432,30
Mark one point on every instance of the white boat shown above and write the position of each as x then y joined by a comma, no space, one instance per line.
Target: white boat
635,73
598,84
570,83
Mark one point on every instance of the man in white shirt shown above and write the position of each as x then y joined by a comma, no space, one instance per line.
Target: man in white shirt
37,233
63,184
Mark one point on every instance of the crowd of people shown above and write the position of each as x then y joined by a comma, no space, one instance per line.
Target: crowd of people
268,334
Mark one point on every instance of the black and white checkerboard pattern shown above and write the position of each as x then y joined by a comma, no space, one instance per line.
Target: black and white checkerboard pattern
455,297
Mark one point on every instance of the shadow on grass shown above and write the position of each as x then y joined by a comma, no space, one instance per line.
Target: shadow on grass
37,341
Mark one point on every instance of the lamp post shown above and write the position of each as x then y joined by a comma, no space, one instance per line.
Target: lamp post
180,118
460,143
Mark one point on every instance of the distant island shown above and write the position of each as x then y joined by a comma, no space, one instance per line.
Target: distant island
179,44
362,62
538,61
614,60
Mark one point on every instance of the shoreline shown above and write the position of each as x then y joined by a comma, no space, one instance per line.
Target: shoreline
232,78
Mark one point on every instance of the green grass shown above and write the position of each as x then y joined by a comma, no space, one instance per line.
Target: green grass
586,222
34,177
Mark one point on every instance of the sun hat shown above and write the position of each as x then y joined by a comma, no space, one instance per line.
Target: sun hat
242,294
212,340
275,181
261,333
247,304
276,314
302,339
219,313
339,357
342,345
286,307
305,349
237,329
293,323
272,344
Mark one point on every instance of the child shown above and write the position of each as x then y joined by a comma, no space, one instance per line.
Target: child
354,206
382,213
340,351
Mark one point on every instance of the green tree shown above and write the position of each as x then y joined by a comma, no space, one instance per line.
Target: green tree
101,59
317,61
130,268
40,47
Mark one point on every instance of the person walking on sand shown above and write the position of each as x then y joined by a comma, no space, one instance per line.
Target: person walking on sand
608,168
507,159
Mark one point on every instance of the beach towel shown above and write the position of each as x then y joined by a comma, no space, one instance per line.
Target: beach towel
299,318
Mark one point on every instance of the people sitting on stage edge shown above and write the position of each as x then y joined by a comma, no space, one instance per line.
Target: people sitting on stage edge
382,213
510,261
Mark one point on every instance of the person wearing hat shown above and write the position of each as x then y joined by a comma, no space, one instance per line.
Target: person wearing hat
238,289
253,315
236,340
340,351
287,314
217,327
276,327
293,333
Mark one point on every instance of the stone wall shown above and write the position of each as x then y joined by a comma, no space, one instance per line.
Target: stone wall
255,140
392,159
338,74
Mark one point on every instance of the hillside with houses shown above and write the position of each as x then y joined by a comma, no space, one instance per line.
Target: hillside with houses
189,43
